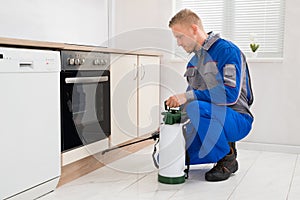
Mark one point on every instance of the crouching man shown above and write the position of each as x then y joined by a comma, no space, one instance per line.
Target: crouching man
218,97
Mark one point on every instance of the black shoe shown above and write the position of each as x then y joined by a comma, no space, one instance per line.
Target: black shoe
223,169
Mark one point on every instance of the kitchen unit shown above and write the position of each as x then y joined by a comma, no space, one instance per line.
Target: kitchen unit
135,96
30,122
72,158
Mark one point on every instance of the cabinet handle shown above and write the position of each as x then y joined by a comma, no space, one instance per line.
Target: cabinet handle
136,71
143,71
23,64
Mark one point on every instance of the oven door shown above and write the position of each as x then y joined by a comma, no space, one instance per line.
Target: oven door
85,107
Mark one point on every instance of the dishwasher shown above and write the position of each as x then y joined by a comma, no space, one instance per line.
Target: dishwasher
30,122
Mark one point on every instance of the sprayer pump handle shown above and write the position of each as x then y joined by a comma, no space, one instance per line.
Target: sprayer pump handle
167,108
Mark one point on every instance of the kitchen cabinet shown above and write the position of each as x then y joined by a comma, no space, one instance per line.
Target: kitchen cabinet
134,96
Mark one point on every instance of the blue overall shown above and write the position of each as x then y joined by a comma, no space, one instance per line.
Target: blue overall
219,97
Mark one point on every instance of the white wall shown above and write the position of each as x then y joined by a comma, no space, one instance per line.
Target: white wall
83,22
276,84
140,24
277,89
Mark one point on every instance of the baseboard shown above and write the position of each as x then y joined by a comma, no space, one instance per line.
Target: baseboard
280,148
84,151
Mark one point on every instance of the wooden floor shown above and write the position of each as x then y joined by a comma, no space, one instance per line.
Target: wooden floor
86,165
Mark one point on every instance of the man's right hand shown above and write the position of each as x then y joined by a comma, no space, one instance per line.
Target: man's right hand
176,100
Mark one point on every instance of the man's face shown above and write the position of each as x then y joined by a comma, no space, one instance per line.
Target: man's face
185,36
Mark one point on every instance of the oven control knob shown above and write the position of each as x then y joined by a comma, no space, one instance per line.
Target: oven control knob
71,61
103,62
81,61
96,62
77,61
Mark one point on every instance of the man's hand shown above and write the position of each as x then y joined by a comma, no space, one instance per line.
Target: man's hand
176,100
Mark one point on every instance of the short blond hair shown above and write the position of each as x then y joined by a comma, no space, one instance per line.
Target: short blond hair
186,17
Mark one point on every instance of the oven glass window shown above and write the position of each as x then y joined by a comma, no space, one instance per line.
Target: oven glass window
88,110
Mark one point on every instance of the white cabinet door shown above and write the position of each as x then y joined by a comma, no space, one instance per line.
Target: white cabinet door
148,90
124,77
134,96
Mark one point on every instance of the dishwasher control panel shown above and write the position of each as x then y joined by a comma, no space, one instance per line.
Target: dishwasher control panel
29,60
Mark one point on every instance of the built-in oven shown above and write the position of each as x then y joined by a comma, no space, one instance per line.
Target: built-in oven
85,98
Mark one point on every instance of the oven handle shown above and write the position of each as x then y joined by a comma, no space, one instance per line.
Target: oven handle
86,79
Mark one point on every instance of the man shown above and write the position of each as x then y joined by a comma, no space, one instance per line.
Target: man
218,97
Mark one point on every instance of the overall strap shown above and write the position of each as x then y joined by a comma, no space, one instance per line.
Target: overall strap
155,156
187,162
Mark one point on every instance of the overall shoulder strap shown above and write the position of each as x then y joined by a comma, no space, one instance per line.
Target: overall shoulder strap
250,102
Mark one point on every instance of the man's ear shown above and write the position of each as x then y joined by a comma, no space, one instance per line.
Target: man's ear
195,28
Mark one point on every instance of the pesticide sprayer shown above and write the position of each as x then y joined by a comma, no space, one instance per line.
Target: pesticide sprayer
170,159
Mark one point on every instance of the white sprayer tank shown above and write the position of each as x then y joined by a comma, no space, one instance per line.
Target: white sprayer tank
171,154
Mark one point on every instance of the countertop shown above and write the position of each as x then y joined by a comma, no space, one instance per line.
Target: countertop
13,42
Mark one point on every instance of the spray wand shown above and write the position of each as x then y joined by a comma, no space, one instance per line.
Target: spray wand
171,116
153,136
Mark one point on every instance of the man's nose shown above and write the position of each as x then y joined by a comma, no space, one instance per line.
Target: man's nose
179,42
